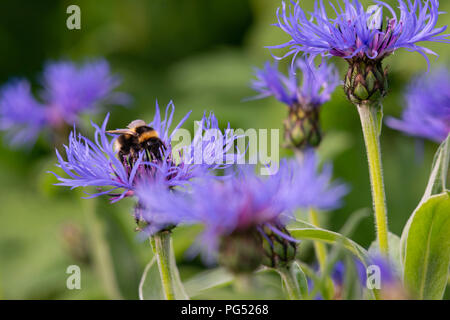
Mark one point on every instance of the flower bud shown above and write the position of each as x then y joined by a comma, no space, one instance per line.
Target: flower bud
301,128
365,82
279,251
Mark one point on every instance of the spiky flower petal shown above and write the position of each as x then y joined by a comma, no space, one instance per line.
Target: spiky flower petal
356,32
244,209
304,85
95,163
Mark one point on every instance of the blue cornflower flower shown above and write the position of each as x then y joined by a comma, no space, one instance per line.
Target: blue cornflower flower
96,163
338,273
382,274
246,212
69,90
317,189
427,114
313,90
302,96
361,37
21,116
387,271
356,32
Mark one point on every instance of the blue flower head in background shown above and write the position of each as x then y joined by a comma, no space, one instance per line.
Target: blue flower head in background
303,96
244,216
381,274
68,92
427,113
97,162
364,37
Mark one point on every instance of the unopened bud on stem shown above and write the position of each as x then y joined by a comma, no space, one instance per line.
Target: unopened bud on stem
279,251
366,81
302,128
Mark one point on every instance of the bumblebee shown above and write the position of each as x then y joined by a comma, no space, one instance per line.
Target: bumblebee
138,136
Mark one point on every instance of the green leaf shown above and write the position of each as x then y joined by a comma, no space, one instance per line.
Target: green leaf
316,280
351,286
150,287
378,115
427,249
438,178
326,285
318,234
302,282
180,291
213,278
437,184
207,280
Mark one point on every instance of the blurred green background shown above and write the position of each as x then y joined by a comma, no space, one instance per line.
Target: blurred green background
200,54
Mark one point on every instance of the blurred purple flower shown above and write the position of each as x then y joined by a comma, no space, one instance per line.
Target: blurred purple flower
243,202
21,116
222,206
338,273
388,276
95,163
313,90
427,113
69,90
317,189
356,32
381,273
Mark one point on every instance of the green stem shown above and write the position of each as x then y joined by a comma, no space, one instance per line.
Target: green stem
369,123
321,253
101,252
161,244
290,283
319,247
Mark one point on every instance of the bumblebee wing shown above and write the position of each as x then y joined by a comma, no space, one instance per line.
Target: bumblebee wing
123,131
136,123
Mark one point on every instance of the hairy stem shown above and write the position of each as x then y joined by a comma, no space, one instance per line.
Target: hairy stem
369,123
290,283
162,247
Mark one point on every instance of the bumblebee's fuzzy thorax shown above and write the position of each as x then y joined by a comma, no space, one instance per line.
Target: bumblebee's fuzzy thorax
136,138
147,135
